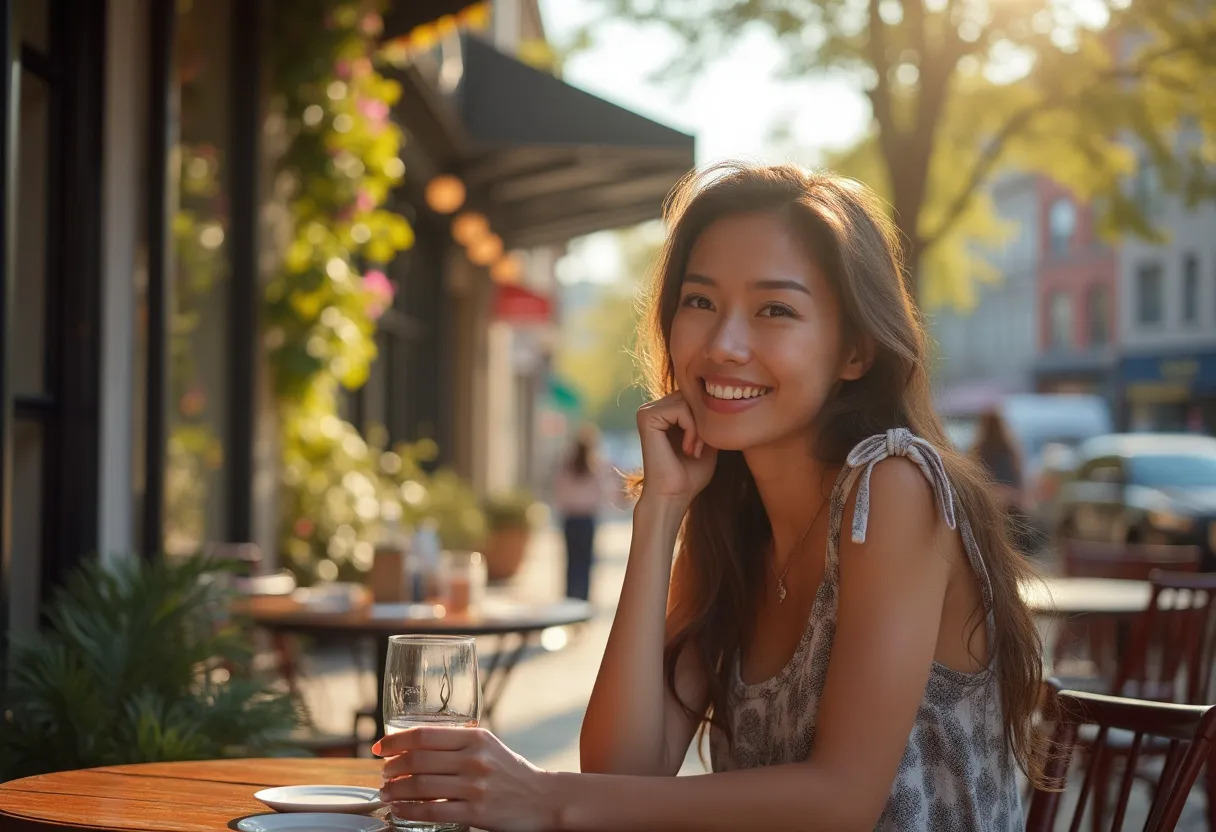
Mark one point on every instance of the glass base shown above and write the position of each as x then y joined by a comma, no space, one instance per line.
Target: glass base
425,826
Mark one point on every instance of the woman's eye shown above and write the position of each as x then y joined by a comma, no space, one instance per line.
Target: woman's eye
778,310
697,302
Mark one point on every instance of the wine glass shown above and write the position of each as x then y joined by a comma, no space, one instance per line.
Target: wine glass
430,680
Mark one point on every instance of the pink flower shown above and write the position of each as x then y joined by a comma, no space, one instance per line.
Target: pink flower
364,201
303,527
371,24
381,289
342,68
373,109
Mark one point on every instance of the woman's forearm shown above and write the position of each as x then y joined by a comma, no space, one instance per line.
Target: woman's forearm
623,731
786,797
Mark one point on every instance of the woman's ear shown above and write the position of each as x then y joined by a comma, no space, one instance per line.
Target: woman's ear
858,357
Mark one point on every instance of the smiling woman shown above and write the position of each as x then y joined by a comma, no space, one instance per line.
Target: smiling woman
883,680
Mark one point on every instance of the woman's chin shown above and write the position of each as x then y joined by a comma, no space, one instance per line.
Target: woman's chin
726,440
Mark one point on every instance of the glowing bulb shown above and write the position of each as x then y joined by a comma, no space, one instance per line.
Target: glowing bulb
507,270
485,251
469,227
445,194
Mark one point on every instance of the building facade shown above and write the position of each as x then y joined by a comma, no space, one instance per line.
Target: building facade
1167,314
989,350
1077,296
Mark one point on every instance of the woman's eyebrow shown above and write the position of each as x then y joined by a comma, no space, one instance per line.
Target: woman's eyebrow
770,285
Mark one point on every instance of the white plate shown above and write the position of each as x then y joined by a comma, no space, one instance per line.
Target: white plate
354,800
311,822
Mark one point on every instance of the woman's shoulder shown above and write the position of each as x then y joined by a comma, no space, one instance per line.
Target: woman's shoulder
897,481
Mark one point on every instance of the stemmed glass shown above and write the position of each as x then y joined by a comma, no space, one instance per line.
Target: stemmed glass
430,680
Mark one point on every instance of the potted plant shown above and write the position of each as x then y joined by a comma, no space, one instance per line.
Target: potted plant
139,662
510,518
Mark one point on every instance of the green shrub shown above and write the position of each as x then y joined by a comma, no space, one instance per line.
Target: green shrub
139,663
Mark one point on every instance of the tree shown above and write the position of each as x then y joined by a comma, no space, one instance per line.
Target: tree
963,89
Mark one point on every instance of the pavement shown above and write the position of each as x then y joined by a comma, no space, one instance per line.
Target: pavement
541,711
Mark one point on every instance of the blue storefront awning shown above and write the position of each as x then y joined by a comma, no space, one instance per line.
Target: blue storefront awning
1197,372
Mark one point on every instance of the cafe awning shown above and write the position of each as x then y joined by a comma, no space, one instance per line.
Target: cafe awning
544,160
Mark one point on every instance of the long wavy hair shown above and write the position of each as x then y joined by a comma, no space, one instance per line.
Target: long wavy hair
845,228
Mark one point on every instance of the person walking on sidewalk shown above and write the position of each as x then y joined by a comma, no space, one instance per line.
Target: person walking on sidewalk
842,617
579,492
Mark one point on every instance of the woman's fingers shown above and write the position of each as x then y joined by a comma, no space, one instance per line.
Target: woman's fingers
435,738
679,414
425,762
427,787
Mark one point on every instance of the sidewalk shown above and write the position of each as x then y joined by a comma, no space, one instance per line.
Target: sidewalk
540,713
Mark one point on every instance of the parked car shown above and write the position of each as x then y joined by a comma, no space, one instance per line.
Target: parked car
1144,488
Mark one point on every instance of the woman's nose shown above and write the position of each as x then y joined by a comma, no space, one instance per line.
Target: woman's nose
729,342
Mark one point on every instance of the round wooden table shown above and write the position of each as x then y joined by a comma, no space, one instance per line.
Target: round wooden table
207,796
497,616
1058,596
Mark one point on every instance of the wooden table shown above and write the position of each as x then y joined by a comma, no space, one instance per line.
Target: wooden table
208,796
500,617
1057,596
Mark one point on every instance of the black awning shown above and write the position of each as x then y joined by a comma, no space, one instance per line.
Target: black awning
544,160
403,16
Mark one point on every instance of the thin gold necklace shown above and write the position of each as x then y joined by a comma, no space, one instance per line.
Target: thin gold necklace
781,593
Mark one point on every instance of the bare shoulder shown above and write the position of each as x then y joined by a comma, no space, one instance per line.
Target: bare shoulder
904,515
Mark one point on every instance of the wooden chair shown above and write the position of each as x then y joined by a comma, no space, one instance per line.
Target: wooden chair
1168,658
1186,732
1098,639
1129,561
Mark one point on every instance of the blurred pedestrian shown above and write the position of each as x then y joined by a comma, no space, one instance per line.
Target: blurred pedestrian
997,450
579,493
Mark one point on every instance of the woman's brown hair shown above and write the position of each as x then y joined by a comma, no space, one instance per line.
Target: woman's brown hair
845,229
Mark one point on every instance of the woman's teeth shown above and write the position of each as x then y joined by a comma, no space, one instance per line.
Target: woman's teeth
719,391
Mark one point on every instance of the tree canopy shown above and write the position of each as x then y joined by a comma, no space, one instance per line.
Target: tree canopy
1084,91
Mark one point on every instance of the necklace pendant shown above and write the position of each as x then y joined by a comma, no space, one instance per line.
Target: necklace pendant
780,592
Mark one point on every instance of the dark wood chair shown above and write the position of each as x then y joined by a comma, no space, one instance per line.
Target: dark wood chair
1185,732
1098,639
1128,561
1167,657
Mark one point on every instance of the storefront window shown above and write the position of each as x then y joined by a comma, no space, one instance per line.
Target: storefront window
1149,302
198,342
1190,289
1098,313
1060,317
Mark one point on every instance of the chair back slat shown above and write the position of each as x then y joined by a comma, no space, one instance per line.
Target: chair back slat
1189,729
1087,785
1125,788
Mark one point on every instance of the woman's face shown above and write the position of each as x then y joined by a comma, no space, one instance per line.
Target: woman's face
757,340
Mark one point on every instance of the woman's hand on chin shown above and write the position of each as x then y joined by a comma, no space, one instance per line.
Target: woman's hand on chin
482,782
676,462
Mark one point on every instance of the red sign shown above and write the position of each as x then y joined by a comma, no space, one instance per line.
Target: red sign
520,306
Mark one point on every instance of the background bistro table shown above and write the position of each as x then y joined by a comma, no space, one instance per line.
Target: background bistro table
1062,597
206,796
504,618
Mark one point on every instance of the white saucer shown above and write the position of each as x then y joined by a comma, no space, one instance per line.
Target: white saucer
311,822
354,800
